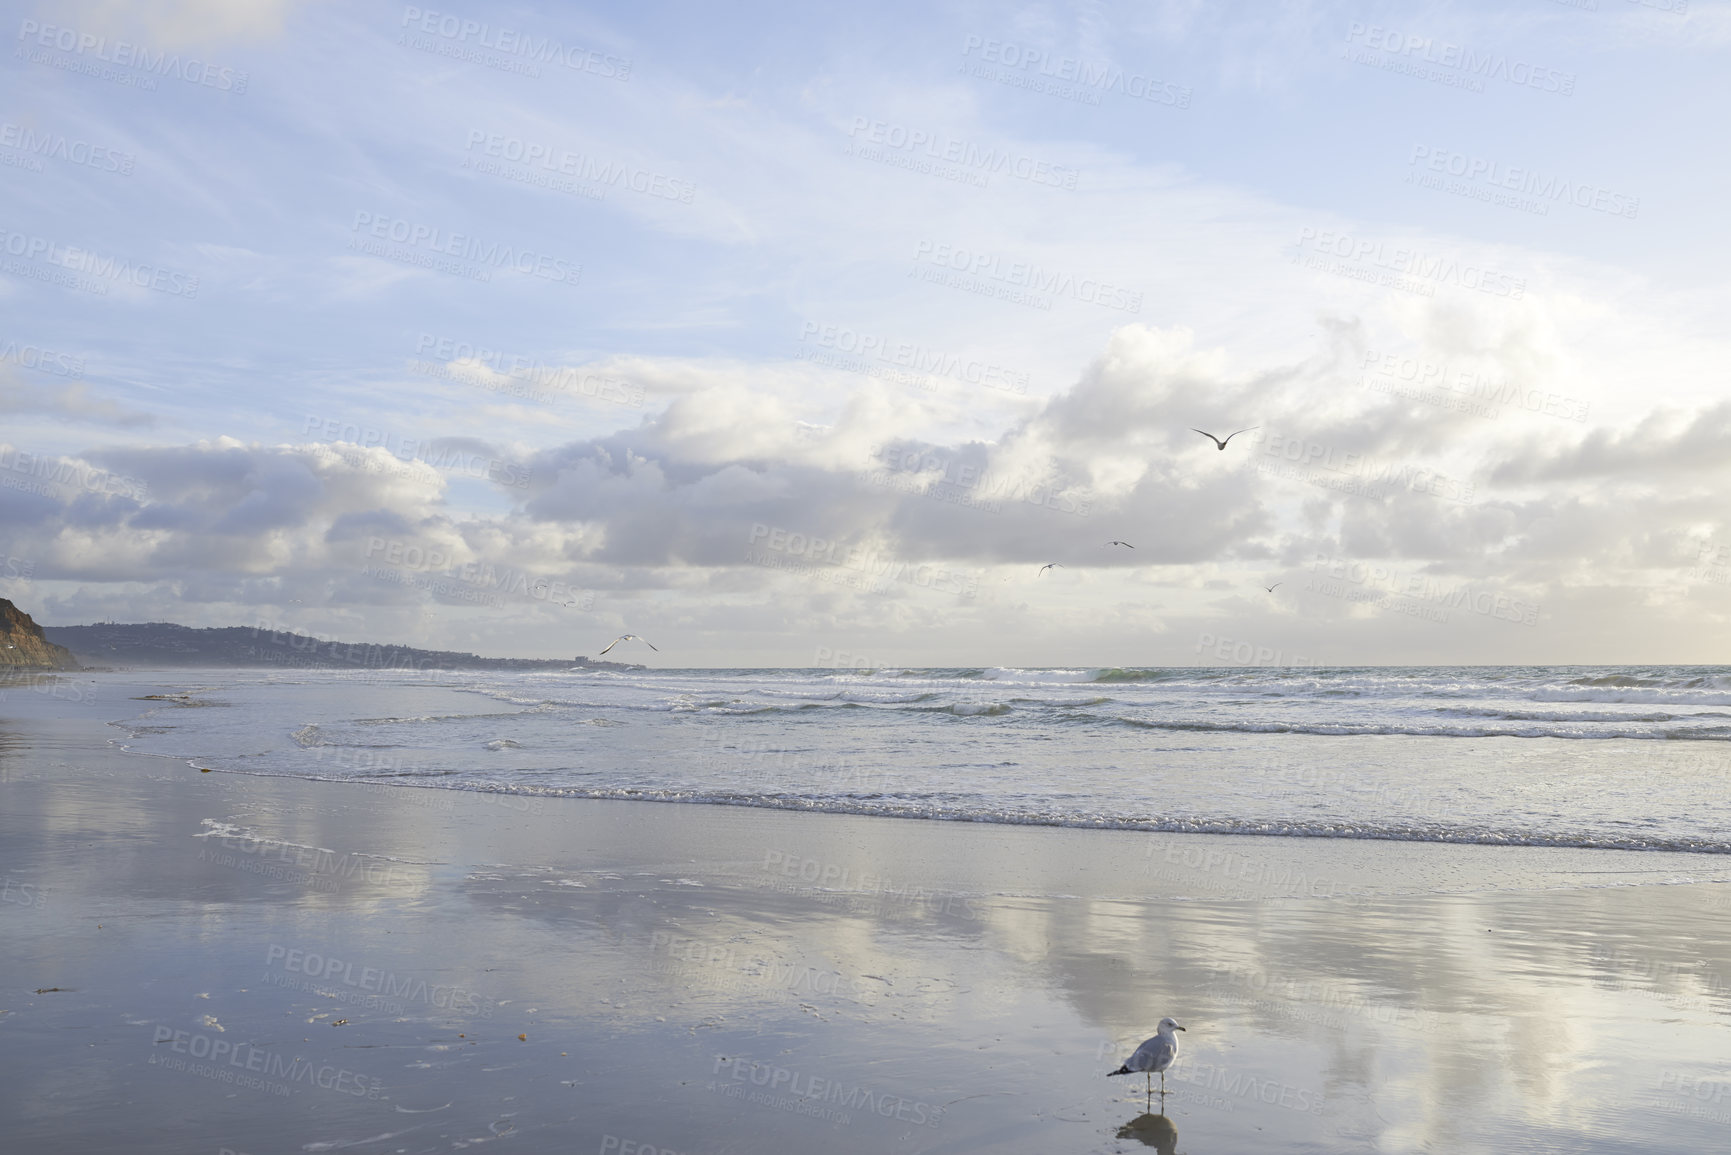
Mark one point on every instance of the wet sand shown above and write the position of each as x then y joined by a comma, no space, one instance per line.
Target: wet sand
212,961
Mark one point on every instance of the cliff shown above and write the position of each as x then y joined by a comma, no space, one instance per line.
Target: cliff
22,644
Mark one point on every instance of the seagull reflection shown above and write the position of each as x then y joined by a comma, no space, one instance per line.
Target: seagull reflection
1156,1131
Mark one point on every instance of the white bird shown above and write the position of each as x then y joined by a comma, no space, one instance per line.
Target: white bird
1047,566
628,638
1154,1054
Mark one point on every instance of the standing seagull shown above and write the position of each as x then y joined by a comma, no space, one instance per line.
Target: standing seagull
1155,1054
627,638
1219,443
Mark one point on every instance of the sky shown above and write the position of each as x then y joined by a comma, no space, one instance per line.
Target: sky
799,335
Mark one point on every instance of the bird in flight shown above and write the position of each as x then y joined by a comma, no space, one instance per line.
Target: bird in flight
1125,544
1047,566
627,638
1270,589
1221,445
1154,1054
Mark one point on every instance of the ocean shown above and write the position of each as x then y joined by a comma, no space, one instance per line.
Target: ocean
1634,758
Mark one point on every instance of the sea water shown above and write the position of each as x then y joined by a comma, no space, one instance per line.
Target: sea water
1614,757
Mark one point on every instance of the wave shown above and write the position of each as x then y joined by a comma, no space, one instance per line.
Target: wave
1016,674
1712,681
1671,696
1517,715
1415,730
924,810
539,706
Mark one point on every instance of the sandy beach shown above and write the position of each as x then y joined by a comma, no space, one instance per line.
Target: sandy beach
225,962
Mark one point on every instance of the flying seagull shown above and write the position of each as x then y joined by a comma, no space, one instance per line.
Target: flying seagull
1047,566
1270,589
1221,445
1154,1054
627,638
1125,544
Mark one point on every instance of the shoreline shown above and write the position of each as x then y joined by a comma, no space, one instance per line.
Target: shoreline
272,963
1203,828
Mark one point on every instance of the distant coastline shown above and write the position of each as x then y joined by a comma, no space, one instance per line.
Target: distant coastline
153,644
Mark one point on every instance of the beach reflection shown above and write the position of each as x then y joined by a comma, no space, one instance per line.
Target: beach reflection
1156,1131
677,976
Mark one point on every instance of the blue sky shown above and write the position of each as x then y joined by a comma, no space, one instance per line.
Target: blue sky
810,332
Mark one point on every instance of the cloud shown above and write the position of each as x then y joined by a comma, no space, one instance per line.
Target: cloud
1665,444
178,23
73,402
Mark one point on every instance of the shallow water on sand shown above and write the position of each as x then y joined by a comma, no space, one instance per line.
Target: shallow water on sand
261,963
